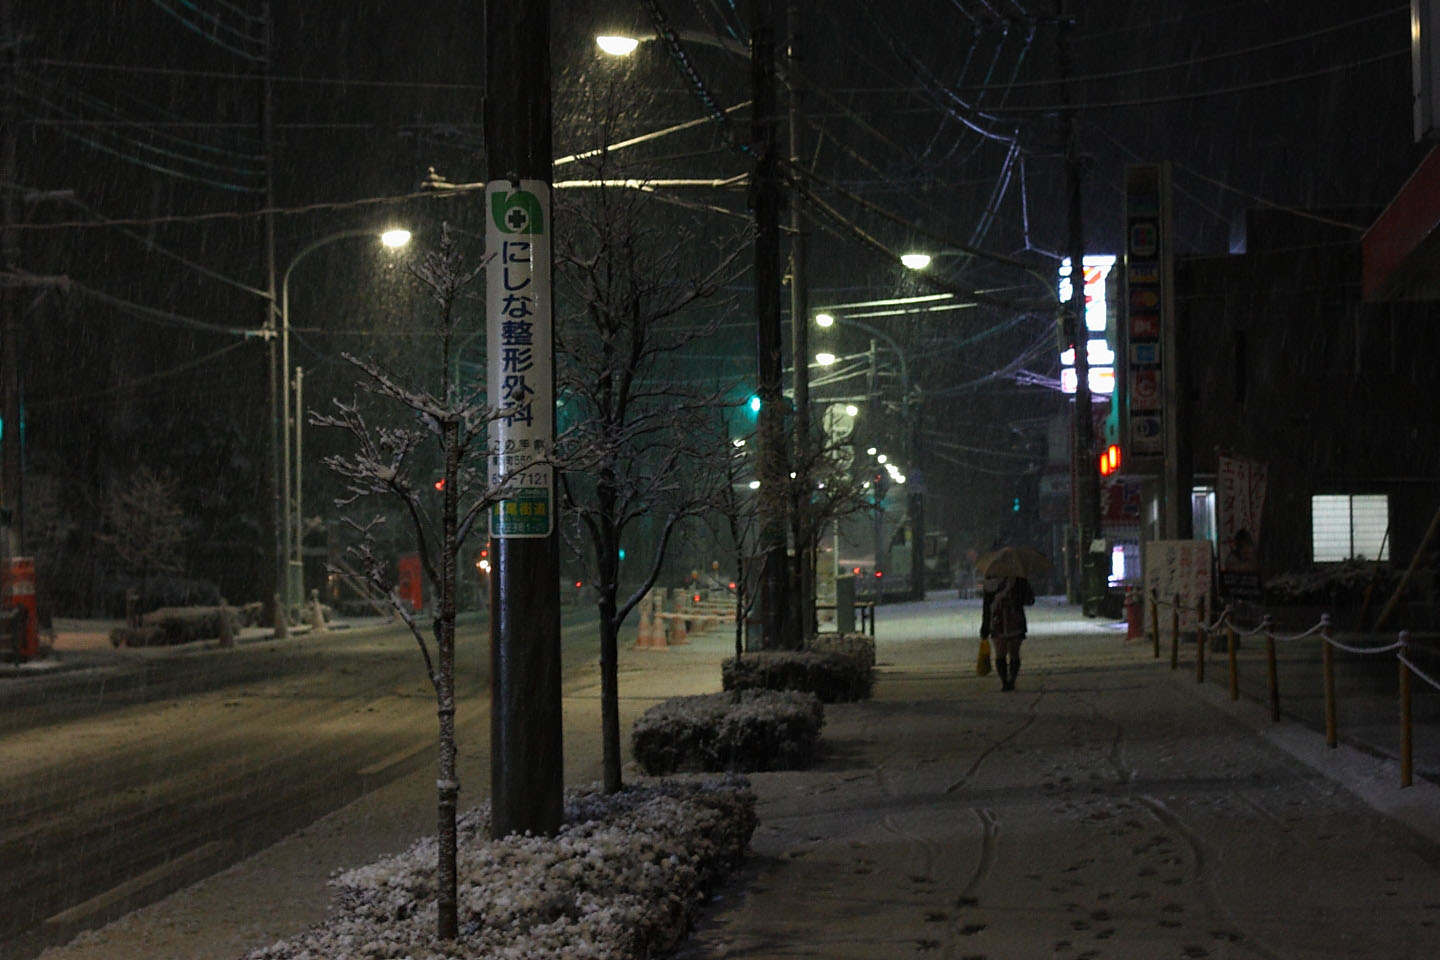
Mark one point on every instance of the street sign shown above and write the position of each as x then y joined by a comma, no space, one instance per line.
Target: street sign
519,327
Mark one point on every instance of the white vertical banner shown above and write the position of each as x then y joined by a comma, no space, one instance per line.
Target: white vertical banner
519,336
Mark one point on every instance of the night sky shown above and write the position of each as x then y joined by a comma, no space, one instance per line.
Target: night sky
928,121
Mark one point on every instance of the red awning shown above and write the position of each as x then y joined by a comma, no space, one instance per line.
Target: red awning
1401,250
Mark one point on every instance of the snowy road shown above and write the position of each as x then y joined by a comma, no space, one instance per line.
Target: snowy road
126,784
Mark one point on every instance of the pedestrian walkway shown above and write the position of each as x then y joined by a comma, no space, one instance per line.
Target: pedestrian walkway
1110,807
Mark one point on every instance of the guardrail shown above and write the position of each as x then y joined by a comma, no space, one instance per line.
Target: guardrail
1400,647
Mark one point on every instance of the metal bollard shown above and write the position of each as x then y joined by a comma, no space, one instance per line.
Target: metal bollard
1175,634
1201,635
1328,660
1234,661
1273,678
1155,623
1407,753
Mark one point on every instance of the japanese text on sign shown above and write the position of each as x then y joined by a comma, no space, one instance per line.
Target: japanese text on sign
521,384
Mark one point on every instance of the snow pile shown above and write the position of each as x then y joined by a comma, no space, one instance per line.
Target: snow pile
749,730
623,878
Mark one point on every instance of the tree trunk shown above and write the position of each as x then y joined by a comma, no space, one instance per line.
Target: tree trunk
447,784
610,695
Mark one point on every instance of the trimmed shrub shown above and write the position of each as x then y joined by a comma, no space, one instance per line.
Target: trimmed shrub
833,677
744,731
625,878
172,625
137,637
861,646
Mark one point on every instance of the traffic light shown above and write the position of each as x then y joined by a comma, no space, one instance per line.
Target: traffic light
1014,504
753,403
1110,460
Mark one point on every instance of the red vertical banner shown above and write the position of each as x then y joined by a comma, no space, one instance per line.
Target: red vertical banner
1239,503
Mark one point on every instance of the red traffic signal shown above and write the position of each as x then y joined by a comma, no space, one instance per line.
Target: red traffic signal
1110,460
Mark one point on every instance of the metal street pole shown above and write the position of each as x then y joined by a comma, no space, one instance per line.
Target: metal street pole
1087,483
291,585
526,765
297,540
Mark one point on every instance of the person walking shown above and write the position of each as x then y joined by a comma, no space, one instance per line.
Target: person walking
1002,620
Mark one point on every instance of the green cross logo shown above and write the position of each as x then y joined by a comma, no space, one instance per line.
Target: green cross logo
518,212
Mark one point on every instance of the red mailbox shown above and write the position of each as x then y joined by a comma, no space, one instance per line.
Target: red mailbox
17,591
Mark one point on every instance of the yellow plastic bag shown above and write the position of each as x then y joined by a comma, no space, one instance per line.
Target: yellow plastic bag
982,659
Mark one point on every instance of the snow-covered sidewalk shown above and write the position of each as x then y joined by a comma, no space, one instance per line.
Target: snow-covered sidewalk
1110,807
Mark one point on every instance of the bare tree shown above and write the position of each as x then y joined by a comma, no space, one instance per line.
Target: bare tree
395,464
825,488
738,518
638,443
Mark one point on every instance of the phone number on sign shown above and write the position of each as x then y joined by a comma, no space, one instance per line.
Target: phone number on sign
538,478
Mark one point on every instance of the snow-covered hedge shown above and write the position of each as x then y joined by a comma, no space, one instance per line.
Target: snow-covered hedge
858,645
171,625
744,731
833,677
623,879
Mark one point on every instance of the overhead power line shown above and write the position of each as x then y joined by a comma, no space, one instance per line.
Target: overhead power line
1212,92
136,383
240,77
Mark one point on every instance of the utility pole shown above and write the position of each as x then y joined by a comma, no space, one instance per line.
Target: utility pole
279,520
915,498
11,480
765,199
526,766
1086,517
800,340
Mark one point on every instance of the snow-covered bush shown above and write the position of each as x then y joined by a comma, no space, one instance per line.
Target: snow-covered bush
743,731
171,625
622,879
833,677
861,646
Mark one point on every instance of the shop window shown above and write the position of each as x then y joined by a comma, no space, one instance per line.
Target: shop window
1346,526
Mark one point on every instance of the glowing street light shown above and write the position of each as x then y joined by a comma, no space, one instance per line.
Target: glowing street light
851,410
825,359
291,587
915,261
824,320
617,46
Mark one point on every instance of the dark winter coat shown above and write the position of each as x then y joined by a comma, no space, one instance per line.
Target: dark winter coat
1003,613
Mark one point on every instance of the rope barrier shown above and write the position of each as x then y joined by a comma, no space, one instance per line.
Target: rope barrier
1225,620
1417,671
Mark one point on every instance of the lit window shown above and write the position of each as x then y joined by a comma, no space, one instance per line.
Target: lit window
1346,526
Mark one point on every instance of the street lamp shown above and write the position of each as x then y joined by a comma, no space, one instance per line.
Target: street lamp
915,261
915,499
766,189
292,586
617,46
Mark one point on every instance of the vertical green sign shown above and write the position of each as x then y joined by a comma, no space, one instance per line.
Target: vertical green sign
521,380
